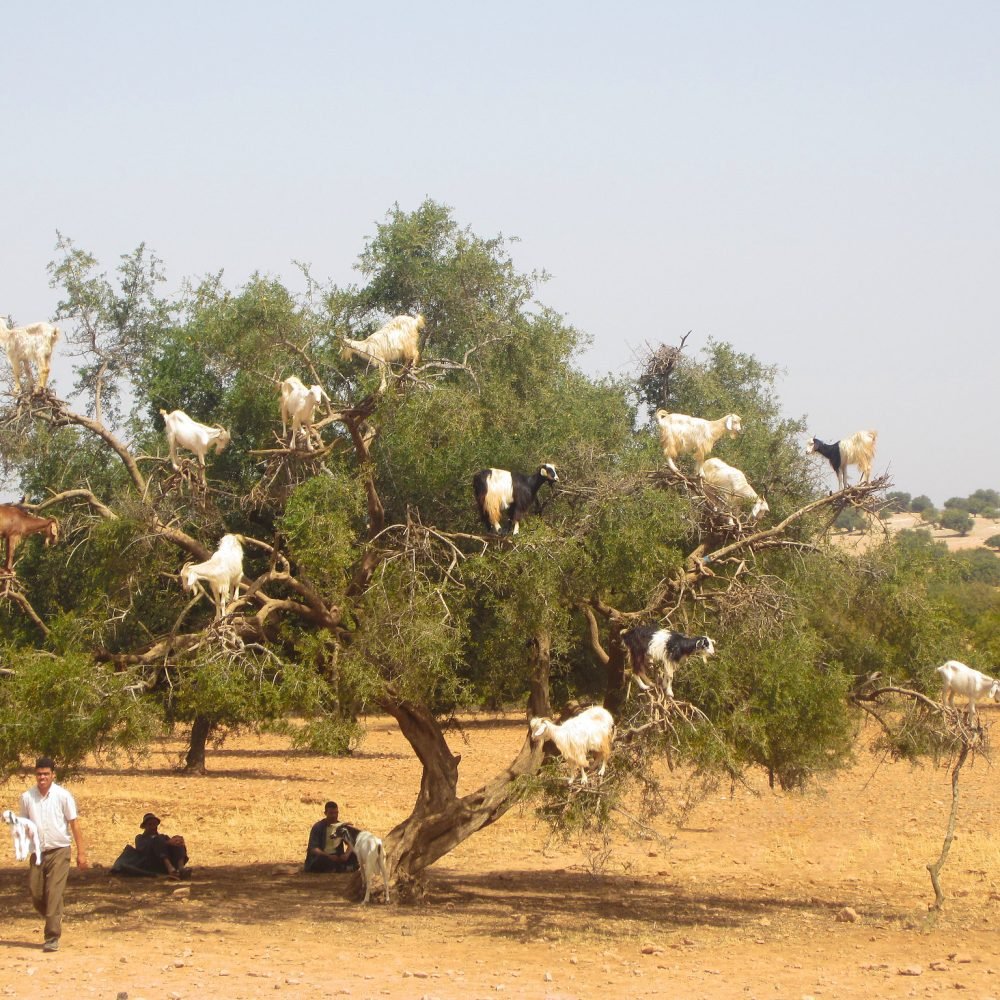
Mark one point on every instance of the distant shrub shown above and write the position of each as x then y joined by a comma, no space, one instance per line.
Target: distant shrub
930,515
993,542
958,503
954,519
921,503
897,502
851,519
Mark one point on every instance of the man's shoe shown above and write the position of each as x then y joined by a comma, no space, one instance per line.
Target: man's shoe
51,944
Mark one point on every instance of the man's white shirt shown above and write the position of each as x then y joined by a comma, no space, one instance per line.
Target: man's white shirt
51,814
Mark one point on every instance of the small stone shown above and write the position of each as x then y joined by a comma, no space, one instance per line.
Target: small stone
419,975
939,966
225,972
848,915
911,970
547,977
407,974
961,958
292,981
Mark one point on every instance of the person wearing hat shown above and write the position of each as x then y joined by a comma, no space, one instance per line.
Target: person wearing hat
158,851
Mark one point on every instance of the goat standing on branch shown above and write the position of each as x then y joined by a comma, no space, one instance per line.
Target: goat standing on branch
16,523
223,573
957,678
498,491
858,449
298,405
681,435
27,346
394,343
592,731
648,644
186,433
732,487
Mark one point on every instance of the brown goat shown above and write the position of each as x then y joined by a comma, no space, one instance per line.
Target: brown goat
16,523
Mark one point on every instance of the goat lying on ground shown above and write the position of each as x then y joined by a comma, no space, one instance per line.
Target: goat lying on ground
371,858
498,491
27,346
394,343
184,432
223,573
16,523
957,678
650,644
298,404
858,449
25,835
592,731
681,435
732,487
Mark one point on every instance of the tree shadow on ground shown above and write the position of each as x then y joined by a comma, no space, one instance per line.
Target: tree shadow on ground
520,905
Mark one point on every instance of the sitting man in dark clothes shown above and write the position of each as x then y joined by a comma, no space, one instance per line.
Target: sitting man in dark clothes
330,842
154,853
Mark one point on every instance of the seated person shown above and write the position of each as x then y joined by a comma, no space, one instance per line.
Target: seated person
330,844
154,853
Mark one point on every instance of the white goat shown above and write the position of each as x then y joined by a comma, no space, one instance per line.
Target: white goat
858,449
25,835
592,731
184,432
27,346
298,404
223,573
732,486
681,434
395,342
371,858
960,679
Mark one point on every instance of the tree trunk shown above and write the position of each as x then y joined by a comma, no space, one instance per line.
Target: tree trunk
201,729
614,693
440,819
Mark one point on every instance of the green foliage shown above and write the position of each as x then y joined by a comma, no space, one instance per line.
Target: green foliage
68,707
993,542
921,503
851,519
957,520
897,502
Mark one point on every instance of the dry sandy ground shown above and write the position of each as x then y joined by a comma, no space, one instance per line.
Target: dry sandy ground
981,530
742,901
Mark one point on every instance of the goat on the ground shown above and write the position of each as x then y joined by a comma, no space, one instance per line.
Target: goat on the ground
222,572
25,835
396,342
370,853
957,678
681,435
648,644
592,731
498,491
16,523
858,449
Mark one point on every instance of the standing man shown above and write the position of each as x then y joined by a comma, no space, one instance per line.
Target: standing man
52,809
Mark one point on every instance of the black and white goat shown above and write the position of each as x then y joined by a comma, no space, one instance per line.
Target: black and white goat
499,491
858,449
25,835
648,644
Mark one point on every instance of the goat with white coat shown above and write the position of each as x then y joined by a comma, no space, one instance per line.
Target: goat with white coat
592,731
395,343
223,573
298,404
858,449
499,491
184,432
650,644
25,835
732,487
957,678
27,346
682,435
370,853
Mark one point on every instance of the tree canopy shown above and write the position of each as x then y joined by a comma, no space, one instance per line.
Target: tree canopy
369,585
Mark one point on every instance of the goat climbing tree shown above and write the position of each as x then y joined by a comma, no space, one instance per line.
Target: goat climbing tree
368,582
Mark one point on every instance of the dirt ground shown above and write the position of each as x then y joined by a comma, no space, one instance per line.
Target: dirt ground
982,529
742,901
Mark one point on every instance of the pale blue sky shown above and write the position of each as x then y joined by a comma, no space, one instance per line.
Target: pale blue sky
817,183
